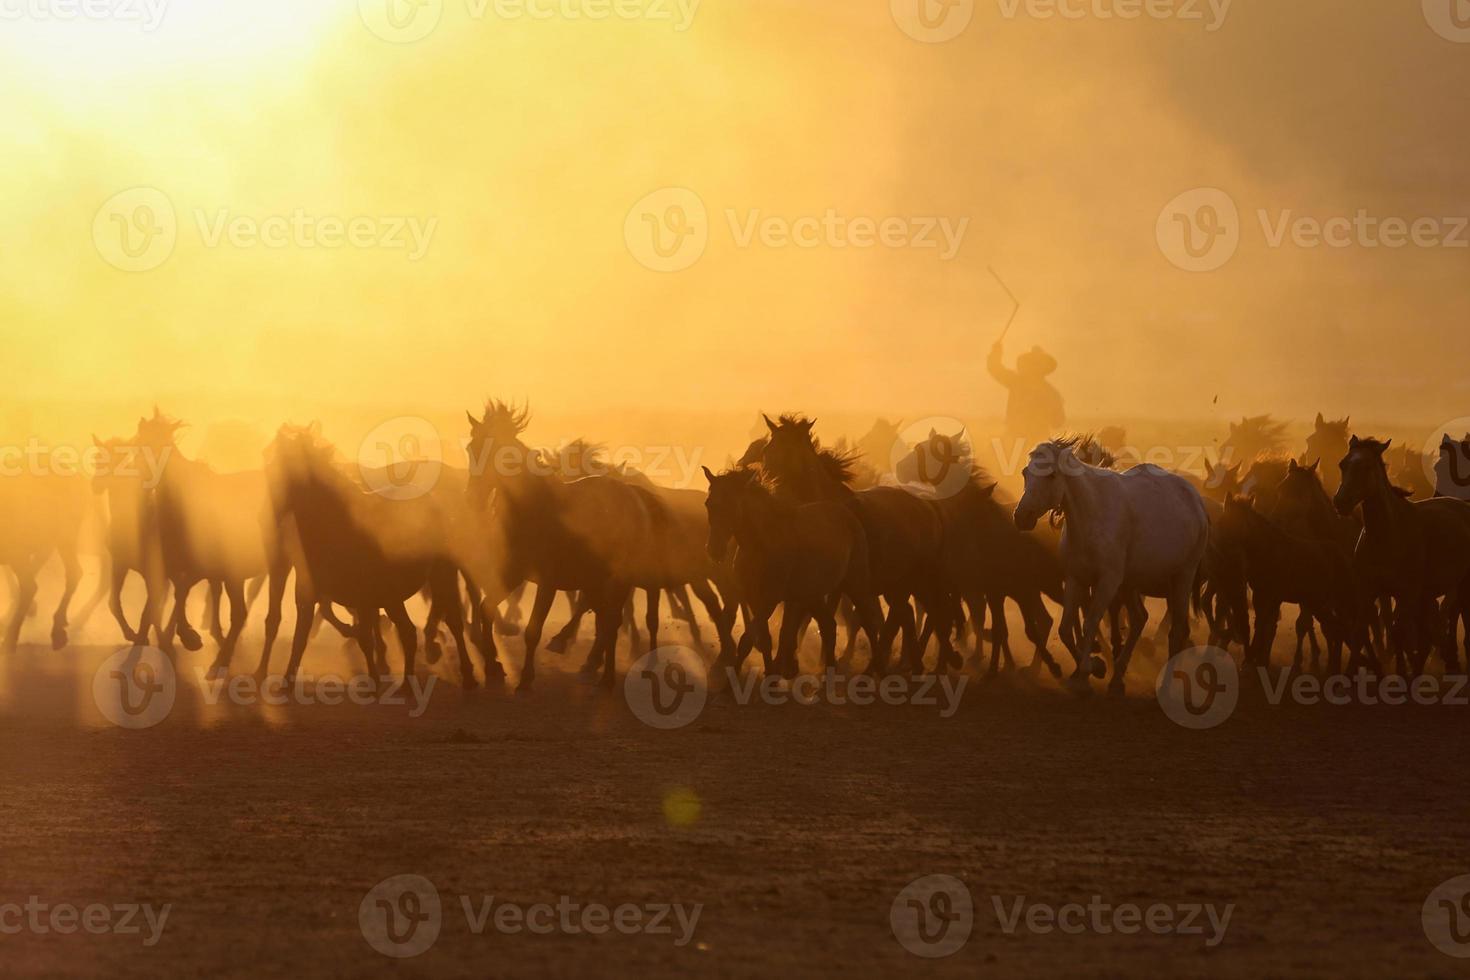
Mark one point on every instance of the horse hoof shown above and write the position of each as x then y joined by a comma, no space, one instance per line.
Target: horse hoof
191,642
58,638
524,689
468,682
1099,669
432,652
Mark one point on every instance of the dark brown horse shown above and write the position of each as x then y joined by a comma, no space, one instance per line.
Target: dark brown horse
1282,567
361,550
904,531
1415,551
802,556
589,535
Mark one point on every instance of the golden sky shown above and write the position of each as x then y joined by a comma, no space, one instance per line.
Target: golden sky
518,146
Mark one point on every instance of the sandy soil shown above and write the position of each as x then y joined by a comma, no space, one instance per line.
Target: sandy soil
794,827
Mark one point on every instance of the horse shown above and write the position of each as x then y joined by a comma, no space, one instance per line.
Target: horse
1282,567
1141,532
1304,508
1415,551
984,558
200,525
1329,440
1252,437
41,514
362,550
1410,469
587,535
802,555
1452,468
903,530
1262,479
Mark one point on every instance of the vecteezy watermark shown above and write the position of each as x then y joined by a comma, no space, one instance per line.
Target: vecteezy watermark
1446,917
933,916
1209,13
675,466
1200,230
407,21
401,459
1446,458
1450,19
138,229
669,230
326,689
147,14
143,465
1208,920
135,687
667,689
935,454
403,916
932,21
97,918
1198,688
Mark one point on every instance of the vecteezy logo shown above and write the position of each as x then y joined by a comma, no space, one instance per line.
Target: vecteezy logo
934,452
136,230
1447,464
135,687
401,459
1446,917
1450,19
933,21
401,21
932,916
1199,230
1199,687
668,230
666,688
401,916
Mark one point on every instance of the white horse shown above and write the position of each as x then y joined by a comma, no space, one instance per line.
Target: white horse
1134,534
1452,469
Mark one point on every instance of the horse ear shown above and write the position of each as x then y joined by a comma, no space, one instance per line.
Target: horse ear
807,425
1315,463
1386,445
1321,422
1291,465
1353,443
933,433
1235,470
1234,428
707,474
1445,442
474,422
769,424
988,492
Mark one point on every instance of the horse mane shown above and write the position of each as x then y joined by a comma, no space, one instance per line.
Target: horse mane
837,465
516,418
1084,446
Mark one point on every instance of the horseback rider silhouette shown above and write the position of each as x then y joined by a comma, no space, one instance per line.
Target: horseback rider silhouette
1034,410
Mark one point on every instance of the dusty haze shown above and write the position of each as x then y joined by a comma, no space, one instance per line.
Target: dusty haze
527,142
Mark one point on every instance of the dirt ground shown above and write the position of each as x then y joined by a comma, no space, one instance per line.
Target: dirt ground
794,827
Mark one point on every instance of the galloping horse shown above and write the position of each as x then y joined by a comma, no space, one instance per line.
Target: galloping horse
802,555
584,536
1143,532
1415,551
1329,440
41,514
904,531
362,550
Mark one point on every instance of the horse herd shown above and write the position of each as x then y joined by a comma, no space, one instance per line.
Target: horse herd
919,558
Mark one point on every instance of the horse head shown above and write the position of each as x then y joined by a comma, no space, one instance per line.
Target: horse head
1363,473
495,448
725,506
296,455
1043,476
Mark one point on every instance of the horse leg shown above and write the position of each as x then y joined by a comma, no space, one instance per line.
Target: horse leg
212,611
1103,594
581,606
305,614
509,624
276,585
408,637
711,602
119,578
239,612
652,598
1178,604
187,634
851,624
609,620
1268,614
25,594
1137,620
1038,630
545,595
73,570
